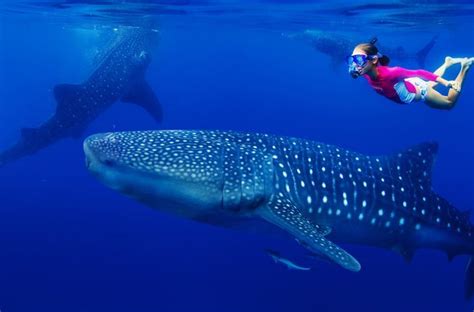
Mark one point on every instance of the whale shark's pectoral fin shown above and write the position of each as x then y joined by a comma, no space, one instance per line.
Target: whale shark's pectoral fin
286,215
142,94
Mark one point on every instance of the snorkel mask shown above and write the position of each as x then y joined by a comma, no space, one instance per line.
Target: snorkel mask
356,62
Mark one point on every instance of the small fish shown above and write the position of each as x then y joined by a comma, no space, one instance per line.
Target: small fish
277,258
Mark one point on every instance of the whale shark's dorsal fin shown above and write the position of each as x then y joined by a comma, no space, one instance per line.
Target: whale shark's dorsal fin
284,213
418,161
142,94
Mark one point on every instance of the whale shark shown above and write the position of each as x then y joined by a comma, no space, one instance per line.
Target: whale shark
320,194
338,46
119,75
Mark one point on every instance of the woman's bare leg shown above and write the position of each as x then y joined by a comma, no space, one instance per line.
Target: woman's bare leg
448,61
437,100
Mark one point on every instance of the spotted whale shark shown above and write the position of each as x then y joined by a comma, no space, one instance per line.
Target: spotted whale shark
338,46
320,194
119,75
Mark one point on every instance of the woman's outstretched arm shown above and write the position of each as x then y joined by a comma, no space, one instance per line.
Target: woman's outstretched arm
420,73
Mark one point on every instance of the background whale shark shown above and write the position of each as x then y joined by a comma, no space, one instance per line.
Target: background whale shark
119,75
318,193
338,46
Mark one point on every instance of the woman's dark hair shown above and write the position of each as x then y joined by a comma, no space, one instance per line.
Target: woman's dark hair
371,49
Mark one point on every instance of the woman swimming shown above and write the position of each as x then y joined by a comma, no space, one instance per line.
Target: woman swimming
403,85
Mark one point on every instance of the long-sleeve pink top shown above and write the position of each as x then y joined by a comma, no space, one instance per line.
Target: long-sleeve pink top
388,77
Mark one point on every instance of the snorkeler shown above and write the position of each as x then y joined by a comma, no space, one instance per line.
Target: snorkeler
403,85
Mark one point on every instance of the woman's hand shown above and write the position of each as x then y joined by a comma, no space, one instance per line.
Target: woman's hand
444,82
454,85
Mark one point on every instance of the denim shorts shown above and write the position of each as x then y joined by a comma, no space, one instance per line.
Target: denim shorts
407,96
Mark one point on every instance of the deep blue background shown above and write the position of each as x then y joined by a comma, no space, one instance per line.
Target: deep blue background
67,243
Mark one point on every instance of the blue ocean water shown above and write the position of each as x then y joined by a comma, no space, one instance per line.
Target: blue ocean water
67,243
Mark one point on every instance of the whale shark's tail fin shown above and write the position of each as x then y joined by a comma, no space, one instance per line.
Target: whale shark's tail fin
142,94
418,160
31,140
469,279
423,53
3,158
26,145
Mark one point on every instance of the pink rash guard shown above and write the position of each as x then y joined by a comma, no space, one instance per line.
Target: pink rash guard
388,77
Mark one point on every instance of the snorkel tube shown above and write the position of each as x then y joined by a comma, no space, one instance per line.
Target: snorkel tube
356,63
353,71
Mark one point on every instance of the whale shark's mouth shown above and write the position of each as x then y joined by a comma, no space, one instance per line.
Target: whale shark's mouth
155,155
103,167
89,156
120,161
97,163
92,160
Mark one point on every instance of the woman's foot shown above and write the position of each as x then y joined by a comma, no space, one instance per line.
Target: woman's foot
456,86
467,62
448,60
470,61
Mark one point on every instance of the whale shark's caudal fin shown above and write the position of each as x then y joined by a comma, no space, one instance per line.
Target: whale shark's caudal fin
142,94
469,279
29,134
29,141
418,160
423,53
286,215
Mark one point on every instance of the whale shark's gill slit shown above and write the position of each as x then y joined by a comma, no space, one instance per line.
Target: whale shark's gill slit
417,162
314,175
333,179
411,172
254,175
222,159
